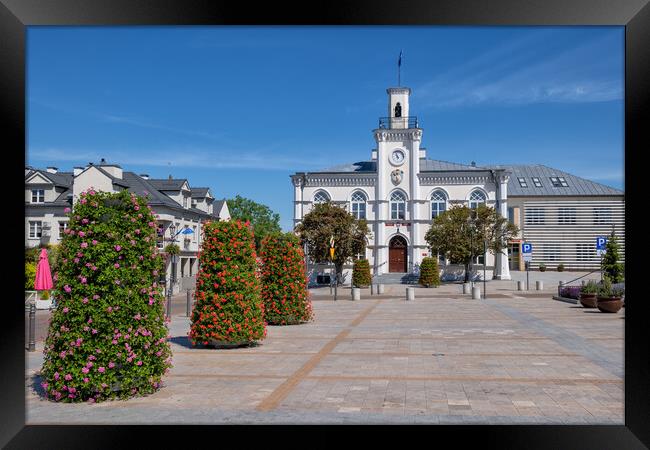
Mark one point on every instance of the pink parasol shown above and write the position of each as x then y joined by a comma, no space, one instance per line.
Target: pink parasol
43,280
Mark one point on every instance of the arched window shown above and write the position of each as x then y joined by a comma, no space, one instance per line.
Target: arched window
477,197
438,203
397,205
321,197
358,205
398,110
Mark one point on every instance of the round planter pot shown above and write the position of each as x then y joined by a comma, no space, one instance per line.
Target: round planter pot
609,304
589,300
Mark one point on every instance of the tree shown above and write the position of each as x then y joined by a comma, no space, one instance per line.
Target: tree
429,272
326,221
228,308
613,270
263,220
361,273
459,233
284,280
107,337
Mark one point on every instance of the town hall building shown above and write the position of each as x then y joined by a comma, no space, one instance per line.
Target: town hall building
399,191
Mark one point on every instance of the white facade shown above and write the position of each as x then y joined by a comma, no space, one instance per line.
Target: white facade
398,168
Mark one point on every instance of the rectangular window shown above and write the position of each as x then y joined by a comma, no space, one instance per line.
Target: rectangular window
184,201
35,229
602,216
563,182
555,181
62,227
566,216
194,234
534,216
511,216
397,210
537,182
522,182
585,252
38,195
359,210
551,252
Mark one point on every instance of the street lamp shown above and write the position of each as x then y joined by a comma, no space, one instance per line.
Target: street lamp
172,277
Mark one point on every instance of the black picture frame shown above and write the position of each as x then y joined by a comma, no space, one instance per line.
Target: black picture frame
16,15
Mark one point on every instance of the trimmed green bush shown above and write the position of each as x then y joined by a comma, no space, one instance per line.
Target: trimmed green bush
560,267
107,337
228,306
361,273
284,281
30,275
613,269
429,272
172,249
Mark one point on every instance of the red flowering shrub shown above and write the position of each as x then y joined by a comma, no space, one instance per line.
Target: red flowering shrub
228,306
107,337
284,282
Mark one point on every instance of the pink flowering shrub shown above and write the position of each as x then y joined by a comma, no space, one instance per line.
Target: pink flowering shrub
107,338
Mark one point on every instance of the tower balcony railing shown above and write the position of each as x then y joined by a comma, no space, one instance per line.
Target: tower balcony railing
398,122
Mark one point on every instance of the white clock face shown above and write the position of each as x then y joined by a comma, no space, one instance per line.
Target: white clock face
397,156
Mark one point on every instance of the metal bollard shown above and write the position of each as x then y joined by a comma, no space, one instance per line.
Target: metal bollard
410,293
539,285
372,288
520,285
380,288
466,288
189,304
356,294
476,293
32,327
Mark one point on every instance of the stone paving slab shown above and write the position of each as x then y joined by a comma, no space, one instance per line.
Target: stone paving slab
436,360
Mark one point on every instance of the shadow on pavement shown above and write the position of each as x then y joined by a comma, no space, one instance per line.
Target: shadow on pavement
36,387
183,341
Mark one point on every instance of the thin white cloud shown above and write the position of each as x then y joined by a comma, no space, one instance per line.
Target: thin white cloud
491,78
182,157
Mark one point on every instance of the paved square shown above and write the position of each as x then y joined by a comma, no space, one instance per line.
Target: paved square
442,358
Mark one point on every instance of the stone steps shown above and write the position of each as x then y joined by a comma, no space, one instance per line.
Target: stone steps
395,278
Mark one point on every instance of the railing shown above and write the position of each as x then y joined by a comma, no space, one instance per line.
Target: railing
560,286
398,122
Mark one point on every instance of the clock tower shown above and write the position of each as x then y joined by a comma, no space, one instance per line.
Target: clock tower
397,191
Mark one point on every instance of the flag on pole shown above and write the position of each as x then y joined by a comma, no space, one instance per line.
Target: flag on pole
399,61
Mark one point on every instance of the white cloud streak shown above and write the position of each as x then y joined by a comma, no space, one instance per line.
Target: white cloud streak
491,78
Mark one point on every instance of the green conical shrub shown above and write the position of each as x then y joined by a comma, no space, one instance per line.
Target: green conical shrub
613,270
429,273
107,337
228,307
284,281
361,273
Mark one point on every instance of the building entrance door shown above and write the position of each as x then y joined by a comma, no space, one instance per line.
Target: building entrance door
513,256
397,254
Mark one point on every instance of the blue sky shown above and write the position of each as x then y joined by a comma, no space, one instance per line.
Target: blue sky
239,109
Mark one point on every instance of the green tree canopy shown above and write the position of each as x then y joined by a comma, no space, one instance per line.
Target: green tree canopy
459,233
261,217
326,221
612,268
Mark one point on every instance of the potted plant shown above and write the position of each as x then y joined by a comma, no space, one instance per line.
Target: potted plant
542,267
560,267
172,249
609,298
588,294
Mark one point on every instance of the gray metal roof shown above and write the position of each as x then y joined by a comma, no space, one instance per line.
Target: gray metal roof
433,165
577,186
163,184
216,207
61,179
361,166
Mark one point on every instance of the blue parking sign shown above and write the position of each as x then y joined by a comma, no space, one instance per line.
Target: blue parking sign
526,248
600,243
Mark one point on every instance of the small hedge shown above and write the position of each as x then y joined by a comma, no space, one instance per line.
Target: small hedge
429,273
361,273
30,275
284,281
107,337
228,307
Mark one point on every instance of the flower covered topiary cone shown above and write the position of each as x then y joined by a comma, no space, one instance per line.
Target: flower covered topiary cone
228,307
284,281
107,337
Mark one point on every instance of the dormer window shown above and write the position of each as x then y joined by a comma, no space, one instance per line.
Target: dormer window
185,201
38,195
